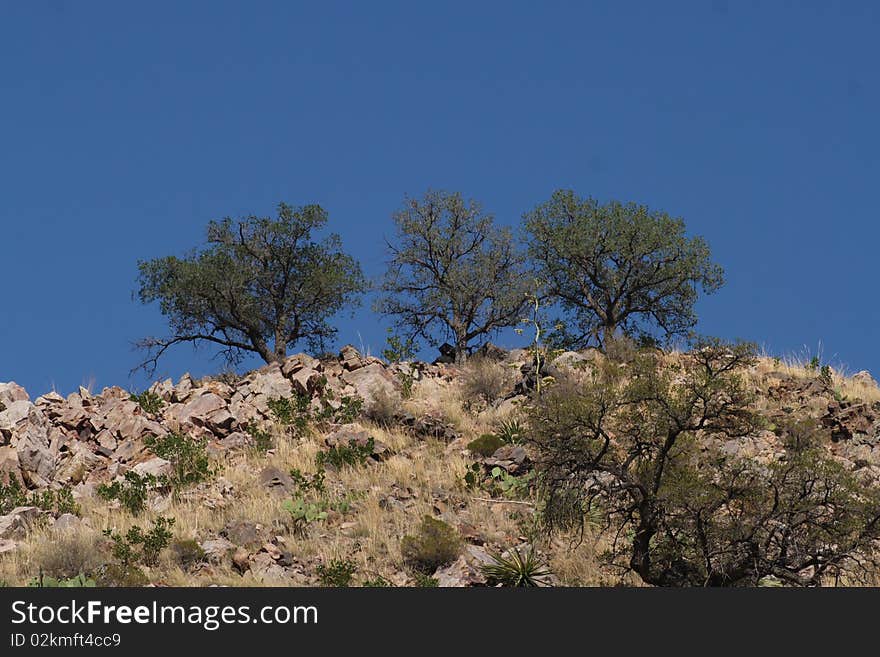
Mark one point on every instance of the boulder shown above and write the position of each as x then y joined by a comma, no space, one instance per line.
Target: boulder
198,409
16,412
217,550
350,358
369,380
155,466
12,392
19,522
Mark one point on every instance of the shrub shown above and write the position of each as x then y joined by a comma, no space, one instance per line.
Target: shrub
129,576
337,573
187,553
424,581
434,544
67,554
349,409
377,582
647,444
45,582
511,431
304,513
261,440
150,402
519,569
486,445
484,379
188,457
132,491
308,483
340,456
137,546
13,494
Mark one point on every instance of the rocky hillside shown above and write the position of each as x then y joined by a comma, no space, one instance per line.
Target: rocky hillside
324,472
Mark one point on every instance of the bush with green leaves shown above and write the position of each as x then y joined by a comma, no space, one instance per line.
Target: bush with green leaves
346,411
188,457
131,491
424,581
351,455
517,568
337,573
149,401
486,445
43,581
650,443
140,546
434,544
57,502
303,513
187,553
261,440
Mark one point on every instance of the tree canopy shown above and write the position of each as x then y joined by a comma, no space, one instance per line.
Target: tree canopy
260,285
618,266
452,272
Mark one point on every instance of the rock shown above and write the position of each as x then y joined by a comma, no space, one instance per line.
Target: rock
244,533
299,362
864,377
355,434
155,466
19,522
12,392
15,413
490,351
217,550
464,571
272,477
241,559
197,411
369,380
510,458
264,568
9,467
306,381
66,522
351,358
570,360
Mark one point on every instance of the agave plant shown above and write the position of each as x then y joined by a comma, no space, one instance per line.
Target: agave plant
520,568
511,431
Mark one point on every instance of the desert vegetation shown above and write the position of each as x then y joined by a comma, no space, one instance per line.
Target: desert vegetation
616,447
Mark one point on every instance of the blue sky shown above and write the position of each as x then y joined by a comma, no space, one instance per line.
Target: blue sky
125,127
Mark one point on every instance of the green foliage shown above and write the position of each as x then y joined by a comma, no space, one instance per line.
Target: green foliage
452,271
260,285
348,410
520,568
292,411
511,431
648,444
338,573
486,445
132,491
813,365
187,553
57,502
150,402
309,483
188,457
501,483
303,513
138,546
350,455
399,349
434,544
45,582
424,581
826,376
127,576
618,267
261,440
377,582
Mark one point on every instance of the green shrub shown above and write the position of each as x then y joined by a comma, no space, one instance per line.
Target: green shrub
826,376
352,454
511,431
137,546
424,581
46,582
150,402
308,483
187,455
434,544
57,502
187,553
485,445
349,409
129,576
304,513
337,573
261,440
132,491
519,569
377,582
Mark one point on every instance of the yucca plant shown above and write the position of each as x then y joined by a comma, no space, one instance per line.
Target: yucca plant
521,568
511,431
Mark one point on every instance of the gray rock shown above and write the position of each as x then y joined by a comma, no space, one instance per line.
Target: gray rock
19,522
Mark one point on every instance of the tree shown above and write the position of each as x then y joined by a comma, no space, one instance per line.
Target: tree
452,270
618,267
651,447
259,286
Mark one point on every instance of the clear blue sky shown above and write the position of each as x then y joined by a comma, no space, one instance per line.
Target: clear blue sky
125,127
